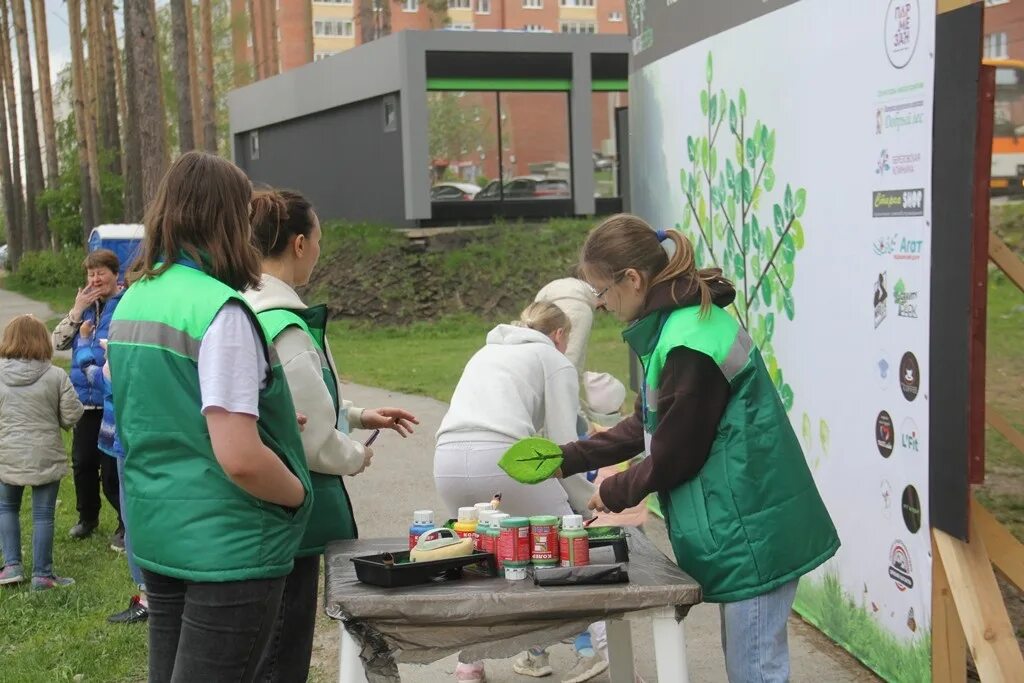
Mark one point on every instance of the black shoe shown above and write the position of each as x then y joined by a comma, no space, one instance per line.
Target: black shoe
135,613
83,529
117,540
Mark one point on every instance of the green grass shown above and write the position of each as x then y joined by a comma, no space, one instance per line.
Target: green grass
835,613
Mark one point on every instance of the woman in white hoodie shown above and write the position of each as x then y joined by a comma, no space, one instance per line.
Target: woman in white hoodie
287,232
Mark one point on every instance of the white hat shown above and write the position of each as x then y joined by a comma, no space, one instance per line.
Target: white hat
603,392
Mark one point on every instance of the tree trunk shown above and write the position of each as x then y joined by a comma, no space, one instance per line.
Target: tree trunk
12,126
14,246
45,94
270,26
36,225
257,40
209,107
182,76
193,77
146,91
94,114
108,91
89,212
114,51
132,144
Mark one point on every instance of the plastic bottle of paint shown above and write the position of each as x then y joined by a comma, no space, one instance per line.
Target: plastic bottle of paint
482,525
574,543
514,542
481,508
490,533
465,525
544,542
422,522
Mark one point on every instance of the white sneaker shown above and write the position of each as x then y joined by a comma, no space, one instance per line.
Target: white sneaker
585,669
533,665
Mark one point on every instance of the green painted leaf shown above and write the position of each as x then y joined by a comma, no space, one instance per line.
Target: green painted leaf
739,153
762,140
766,291
682,179
769,156
755,234
745,184
709,70
730,207
787,397
788,200
788,304
788,250
755,263
713,109
691,148
739,265
719,226
780,225
751,150
730,172
704,151
698,256
806,431
702,209
767,244
823,435
714,162
733,118
746,236
797,231
769,326
800,202
704,102
788,273
687,218
531,460
769,179
779,380
743,102
740,305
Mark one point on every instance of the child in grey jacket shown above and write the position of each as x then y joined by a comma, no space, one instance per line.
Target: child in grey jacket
37,401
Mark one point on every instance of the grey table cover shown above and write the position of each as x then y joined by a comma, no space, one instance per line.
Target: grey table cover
485,618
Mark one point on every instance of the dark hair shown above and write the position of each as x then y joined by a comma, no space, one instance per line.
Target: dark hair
625,241
202,209
102,258
278,216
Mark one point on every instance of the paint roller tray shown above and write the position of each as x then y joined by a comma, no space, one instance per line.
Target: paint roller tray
602,536
373,570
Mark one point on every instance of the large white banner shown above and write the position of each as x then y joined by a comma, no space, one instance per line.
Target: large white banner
795,151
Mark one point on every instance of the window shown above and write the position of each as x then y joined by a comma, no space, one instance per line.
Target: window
535,28
390,114
460,4
483,6
461,27
615,16
333,28
577,3
579,27
411,5
332,2
323,55
533,4
254,145
993,3
995,46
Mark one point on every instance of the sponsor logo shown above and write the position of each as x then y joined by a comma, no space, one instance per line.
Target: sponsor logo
906,301
900,569
915,89
910,438
910,376
897,203
899,247
898,116
883,369
902,28
881,299
885,434
911,509
897,164
886,499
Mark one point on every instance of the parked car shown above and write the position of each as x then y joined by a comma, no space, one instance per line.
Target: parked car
453,192
3,255
527,187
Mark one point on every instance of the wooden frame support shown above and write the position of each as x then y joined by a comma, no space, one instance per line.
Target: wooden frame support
999,423
1007,261
949,647
967,575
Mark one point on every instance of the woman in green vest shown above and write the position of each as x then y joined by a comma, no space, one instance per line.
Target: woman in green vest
743,513
215,479
287,233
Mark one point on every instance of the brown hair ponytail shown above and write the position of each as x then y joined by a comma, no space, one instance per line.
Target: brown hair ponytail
277,216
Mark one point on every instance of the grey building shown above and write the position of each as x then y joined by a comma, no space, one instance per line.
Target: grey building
444,127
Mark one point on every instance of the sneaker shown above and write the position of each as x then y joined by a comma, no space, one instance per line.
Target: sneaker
585,669
12,573
135,613
117,540
533,663
45,583
470,673
83,529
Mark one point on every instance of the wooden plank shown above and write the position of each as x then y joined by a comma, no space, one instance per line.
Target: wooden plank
949,647
1004,550
980,605
1007,261
1003,426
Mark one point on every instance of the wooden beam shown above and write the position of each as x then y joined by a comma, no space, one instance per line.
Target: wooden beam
950,5
1007,261
1004,550
999,422
949,647
980,605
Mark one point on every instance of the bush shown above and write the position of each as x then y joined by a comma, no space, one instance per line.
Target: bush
45,269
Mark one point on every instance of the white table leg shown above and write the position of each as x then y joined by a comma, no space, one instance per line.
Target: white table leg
350,667
670,647
620,650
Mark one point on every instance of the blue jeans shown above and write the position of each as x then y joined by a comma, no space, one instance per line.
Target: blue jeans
754,636
44,502
133,569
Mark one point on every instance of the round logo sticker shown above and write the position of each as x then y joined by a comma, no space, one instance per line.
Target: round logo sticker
900,570
911,509
885,435
910,438
902,27
910,376
886,499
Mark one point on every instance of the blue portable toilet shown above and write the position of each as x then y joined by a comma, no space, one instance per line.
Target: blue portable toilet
125,240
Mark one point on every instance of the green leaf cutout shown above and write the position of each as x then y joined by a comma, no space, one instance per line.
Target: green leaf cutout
531,460
806,431
823,434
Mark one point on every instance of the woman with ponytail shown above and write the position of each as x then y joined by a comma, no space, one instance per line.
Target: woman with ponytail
743,513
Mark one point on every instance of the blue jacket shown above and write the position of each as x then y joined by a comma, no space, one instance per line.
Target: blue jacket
88,358
108,441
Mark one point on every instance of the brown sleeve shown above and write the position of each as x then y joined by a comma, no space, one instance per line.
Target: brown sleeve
610,447
692,396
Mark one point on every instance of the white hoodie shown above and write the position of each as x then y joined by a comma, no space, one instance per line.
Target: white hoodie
328,449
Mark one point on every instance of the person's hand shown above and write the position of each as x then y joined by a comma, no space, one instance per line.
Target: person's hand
106,366
367,457
85,331
85,298
389,418
302,420
596,503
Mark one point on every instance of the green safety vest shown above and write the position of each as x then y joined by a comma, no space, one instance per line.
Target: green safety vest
332,518
752,519
188,519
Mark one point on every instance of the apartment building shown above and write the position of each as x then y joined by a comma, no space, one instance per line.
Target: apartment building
1004,29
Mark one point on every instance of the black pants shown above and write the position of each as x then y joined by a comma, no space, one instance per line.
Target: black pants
209,632
92,466
291,644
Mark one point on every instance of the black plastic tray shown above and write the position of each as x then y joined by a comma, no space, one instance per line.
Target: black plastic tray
618,542
371,569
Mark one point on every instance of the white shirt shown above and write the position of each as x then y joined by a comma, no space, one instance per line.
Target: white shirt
232,364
